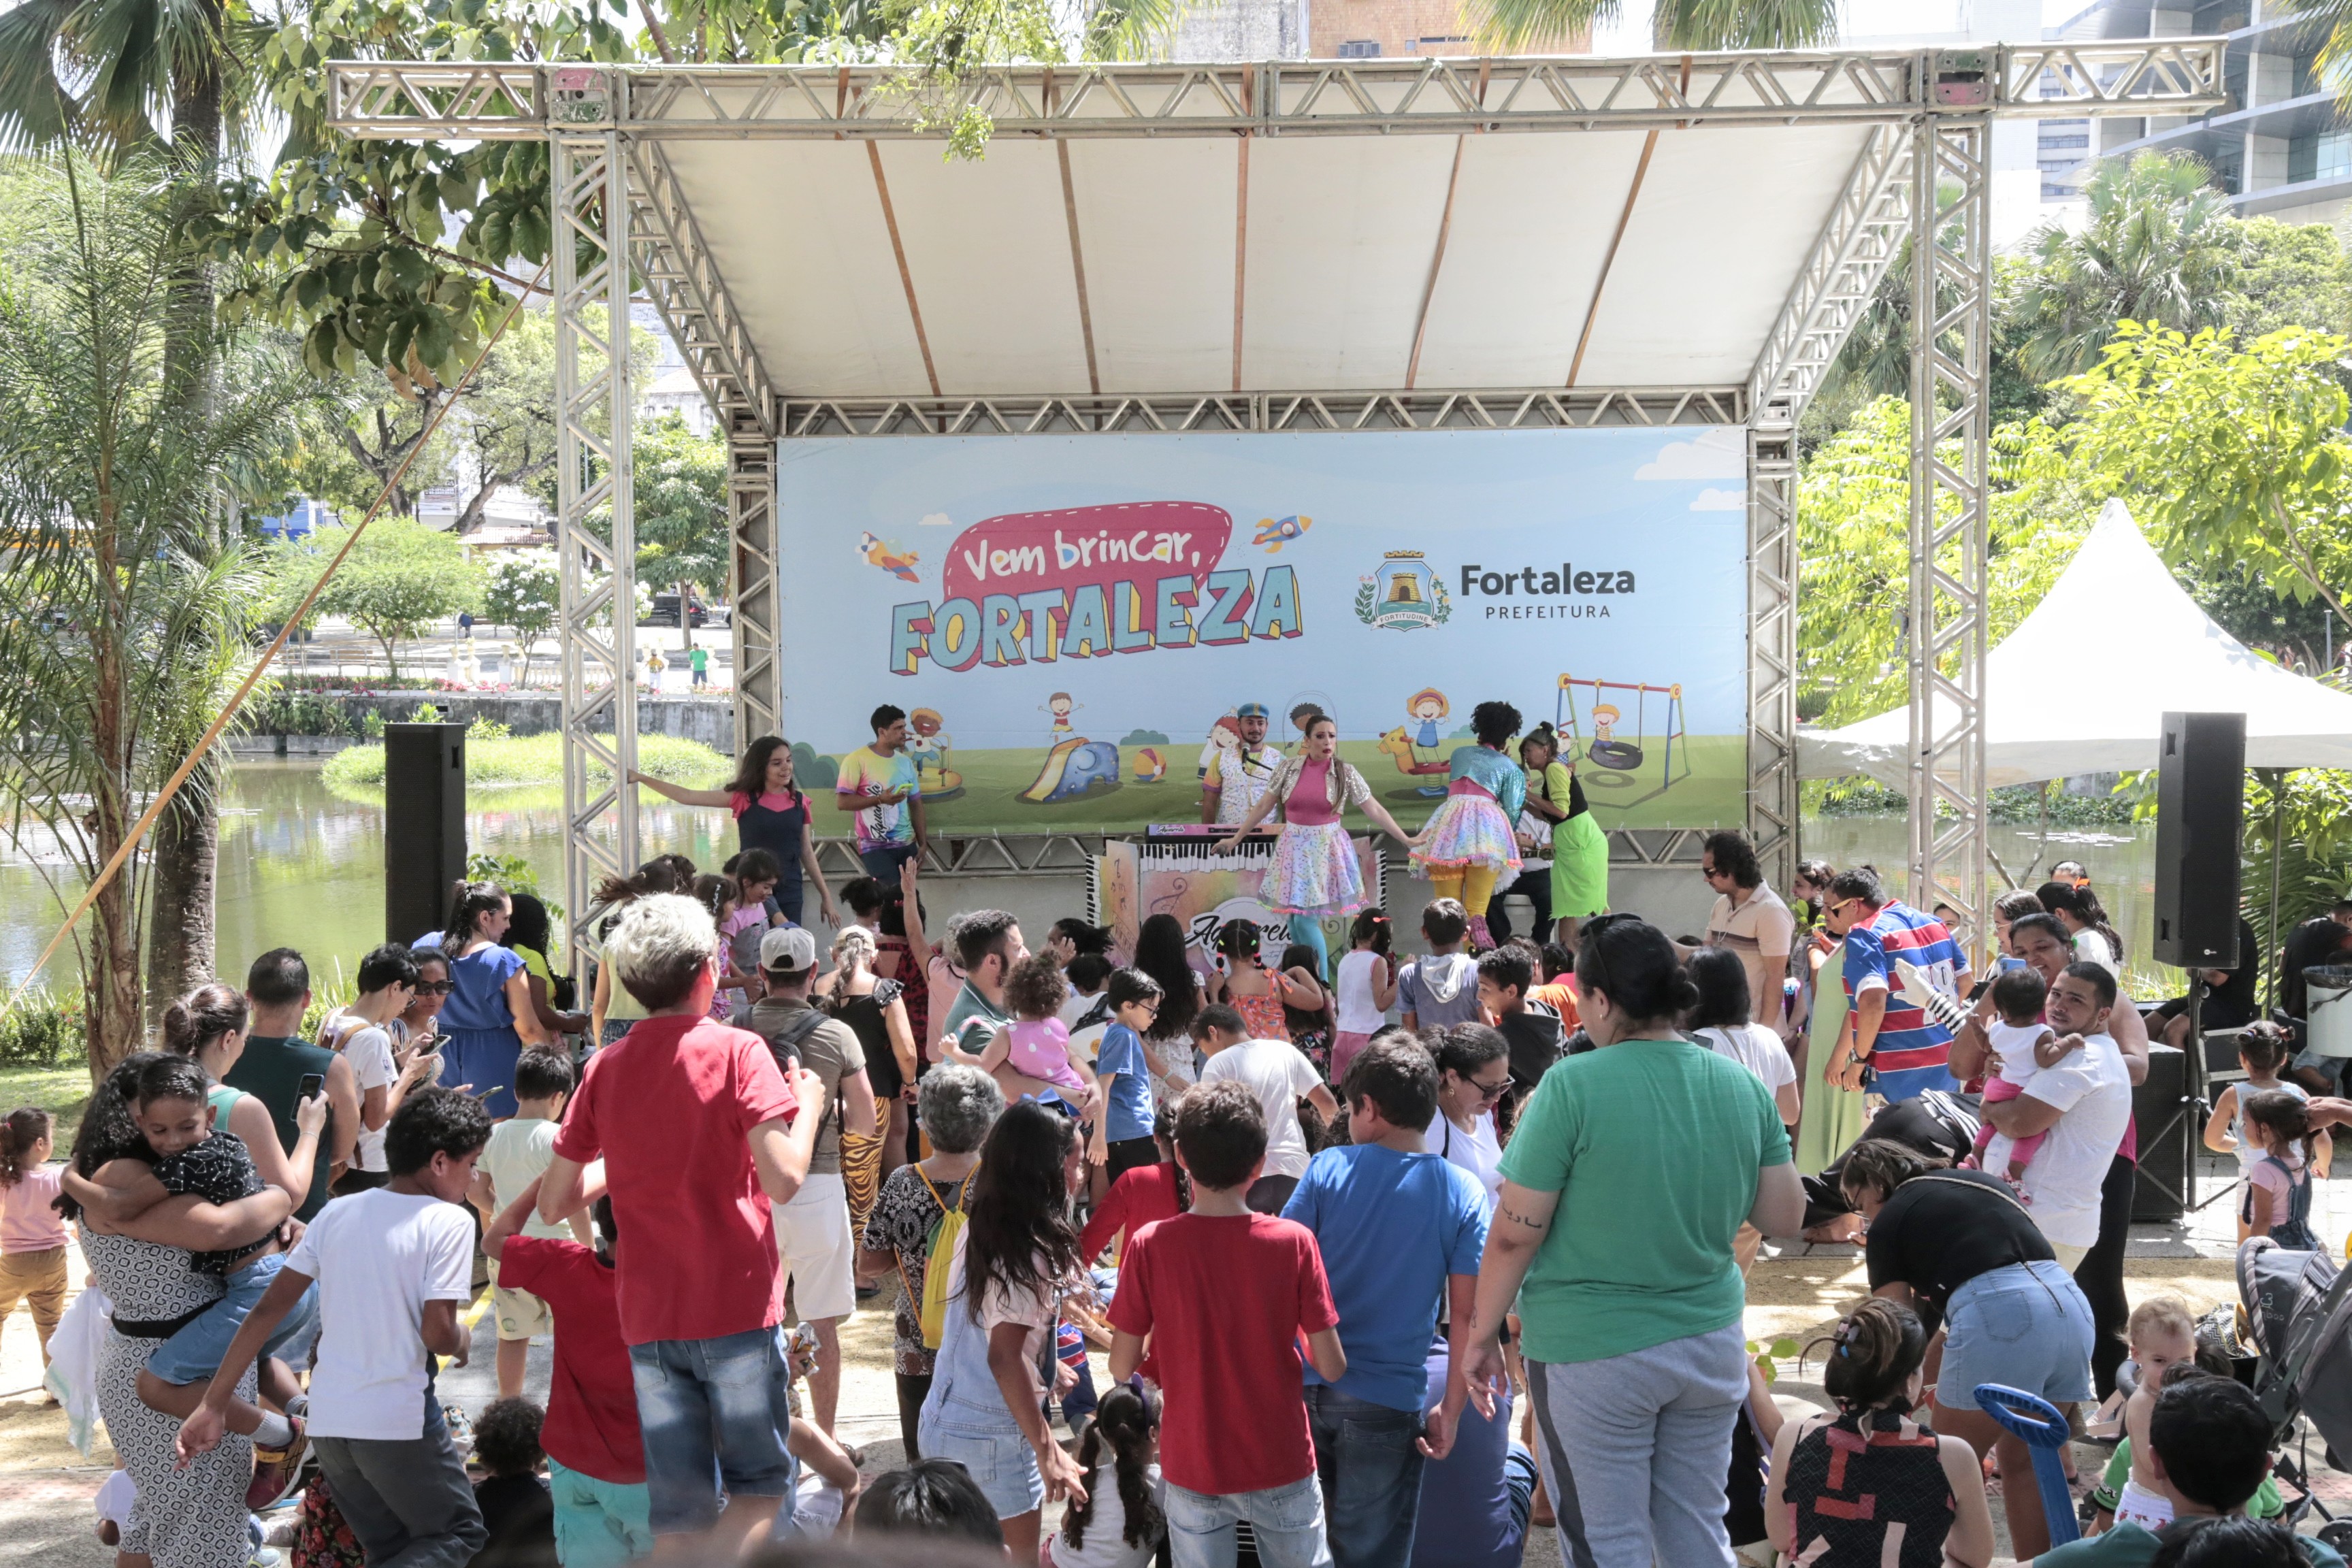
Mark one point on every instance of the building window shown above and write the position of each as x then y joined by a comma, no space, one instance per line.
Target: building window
1360,50
2053,143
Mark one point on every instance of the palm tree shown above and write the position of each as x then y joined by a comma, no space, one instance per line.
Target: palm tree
122,77
123,609
1678,25
2160,245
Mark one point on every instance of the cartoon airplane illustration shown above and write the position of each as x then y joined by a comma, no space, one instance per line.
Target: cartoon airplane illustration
877,553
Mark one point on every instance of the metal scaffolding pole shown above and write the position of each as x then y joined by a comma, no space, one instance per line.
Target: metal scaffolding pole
598,617
1772,781
753,585
1944,641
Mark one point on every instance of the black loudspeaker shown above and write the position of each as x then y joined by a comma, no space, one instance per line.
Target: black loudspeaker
2168,1126
424,825
2201,774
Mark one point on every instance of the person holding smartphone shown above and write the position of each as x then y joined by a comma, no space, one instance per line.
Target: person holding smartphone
275,1062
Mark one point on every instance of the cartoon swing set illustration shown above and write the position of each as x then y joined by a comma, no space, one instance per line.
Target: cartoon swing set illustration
1621,762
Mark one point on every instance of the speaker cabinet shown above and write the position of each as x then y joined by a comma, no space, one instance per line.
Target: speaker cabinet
424,825
2167,1127
2200,800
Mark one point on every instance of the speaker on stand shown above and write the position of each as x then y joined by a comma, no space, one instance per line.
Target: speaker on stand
2199,807
424,825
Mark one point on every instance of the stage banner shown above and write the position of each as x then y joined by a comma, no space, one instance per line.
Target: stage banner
1072,622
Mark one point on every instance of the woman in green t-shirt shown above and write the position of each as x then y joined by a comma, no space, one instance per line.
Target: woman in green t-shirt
1629,1173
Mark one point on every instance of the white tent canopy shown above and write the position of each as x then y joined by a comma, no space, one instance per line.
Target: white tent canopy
2083,684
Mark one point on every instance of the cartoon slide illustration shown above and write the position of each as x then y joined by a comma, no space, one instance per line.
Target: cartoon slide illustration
1074,770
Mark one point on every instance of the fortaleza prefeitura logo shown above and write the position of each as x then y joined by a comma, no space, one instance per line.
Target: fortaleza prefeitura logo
1405,594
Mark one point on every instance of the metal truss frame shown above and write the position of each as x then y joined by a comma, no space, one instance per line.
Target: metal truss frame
1444,97
1945,641
1921,180
1149,413
595,407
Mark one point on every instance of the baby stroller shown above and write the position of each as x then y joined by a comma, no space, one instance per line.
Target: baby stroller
2295,1308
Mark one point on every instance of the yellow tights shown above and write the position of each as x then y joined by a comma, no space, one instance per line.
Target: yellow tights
1474,885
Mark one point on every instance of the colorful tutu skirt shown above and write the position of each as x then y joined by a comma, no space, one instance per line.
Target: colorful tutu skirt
1468,830
1314,873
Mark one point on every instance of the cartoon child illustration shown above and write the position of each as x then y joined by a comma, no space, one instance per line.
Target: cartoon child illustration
1061,707
1604,721
926,743
1430,708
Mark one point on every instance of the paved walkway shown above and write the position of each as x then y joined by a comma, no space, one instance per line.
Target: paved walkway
46,1487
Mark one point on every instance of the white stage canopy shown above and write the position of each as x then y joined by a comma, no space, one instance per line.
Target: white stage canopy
2081,686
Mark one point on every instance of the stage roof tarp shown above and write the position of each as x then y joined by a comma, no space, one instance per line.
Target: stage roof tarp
2081,686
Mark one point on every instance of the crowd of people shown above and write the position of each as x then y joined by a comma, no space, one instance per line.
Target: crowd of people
1391,1256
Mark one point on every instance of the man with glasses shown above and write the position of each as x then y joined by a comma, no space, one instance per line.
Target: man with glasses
1899,1041
1749,919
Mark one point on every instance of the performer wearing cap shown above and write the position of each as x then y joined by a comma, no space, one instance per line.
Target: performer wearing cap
1233,775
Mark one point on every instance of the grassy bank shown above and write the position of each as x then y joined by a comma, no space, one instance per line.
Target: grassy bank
62,1091
516,760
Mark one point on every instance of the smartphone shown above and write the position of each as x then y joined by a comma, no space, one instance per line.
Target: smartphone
312,1082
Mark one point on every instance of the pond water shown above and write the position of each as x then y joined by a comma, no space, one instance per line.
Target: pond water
302,865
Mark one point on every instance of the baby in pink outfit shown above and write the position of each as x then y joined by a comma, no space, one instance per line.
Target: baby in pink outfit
1036,1044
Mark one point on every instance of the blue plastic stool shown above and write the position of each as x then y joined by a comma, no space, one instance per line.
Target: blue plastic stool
2037,1421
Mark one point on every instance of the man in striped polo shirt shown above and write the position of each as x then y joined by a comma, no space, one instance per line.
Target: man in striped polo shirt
1906,1048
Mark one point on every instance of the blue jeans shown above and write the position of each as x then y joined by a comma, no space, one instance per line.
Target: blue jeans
194,1353
2028,1326
715,1414
1287,1521
1370,1474
883,860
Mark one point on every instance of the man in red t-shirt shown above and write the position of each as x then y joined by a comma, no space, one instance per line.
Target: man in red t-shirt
1224,1295
595,1460
700,1135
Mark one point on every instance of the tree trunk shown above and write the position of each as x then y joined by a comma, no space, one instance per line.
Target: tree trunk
185,851
180,914
685,619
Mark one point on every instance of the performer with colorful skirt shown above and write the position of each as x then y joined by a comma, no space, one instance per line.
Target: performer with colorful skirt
1314,871
1469,845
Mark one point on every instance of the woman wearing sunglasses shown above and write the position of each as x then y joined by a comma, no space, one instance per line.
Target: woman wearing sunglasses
1474,1073
1628,1292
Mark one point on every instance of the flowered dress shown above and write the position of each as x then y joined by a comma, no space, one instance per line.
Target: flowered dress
1484,796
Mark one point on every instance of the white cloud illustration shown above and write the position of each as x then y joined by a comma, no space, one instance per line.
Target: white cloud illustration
938,519
1713,500
1715,454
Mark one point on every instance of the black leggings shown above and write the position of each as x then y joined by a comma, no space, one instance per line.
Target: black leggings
912,1391
2101,1274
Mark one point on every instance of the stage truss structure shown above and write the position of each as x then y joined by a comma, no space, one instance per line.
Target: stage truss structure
1922,182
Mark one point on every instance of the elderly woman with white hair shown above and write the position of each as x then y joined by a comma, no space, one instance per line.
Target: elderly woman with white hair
957,1106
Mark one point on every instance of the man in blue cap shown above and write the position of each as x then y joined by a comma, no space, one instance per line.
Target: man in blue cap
1233,777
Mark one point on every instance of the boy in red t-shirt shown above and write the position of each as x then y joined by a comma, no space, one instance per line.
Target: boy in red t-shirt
1224,1295
596,1458
701,1135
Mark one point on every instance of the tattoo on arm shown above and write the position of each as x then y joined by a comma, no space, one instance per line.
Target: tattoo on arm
1507,1212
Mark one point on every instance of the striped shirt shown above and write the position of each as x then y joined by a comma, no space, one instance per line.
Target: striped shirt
1912,1048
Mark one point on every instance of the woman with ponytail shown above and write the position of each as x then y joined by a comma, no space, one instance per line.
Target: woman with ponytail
875,1012
1622,1269
488,1017
207,1026
1119,1525
1869,1486
32,1239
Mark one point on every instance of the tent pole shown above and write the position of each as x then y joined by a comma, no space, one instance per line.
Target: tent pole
2278,842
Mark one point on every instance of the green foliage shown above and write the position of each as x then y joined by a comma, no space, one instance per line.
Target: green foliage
126,610
371,726
523,592
44,1030
1853,503
1534,25
681,507
2294,274
328,993
2158,245
2229,457
524,760
814,773
296,713
485,728
399,580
